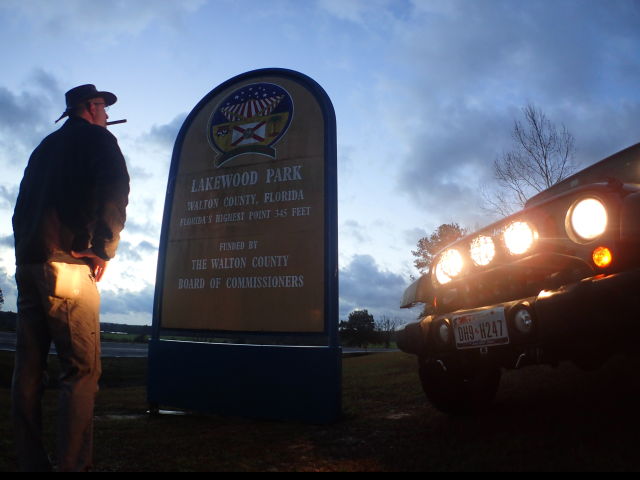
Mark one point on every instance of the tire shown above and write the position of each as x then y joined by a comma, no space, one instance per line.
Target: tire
456,391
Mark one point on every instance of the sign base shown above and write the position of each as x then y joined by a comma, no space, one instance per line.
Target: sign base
256,381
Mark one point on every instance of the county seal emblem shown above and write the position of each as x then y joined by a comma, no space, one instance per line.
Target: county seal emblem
252,119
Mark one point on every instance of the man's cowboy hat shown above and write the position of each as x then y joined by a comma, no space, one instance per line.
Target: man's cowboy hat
77,95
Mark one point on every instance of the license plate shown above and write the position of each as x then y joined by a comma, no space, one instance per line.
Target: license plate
480,328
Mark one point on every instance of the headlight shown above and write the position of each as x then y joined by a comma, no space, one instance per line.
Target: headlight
482,250
519,237
449,266
588,219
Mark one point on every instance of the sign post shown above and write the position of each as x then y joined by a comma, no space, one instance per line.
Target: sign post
248,253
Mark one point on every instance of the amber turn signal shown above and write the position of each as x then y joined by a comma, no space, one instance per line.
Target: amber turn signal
602,257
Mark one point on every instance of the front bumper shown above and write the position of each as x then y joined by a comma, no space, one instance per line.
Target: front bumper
600,312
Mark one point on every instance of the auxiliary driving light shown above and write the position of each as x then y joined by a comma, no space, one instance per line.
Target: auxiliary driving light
482,250
449,266
602,257
588,219
519,237
444,332
523,321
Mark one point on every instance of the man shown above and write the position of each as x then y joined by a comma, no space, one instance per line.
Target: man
68,217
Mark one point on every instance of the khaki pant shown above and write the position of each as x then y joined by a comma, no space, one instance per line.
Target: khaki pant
57,301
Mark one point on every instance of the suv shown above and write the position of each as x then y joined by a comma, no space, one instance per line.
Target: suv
559,280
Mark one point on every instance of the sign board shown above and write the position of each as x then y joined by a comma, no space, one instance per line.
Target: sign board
249,237
246,249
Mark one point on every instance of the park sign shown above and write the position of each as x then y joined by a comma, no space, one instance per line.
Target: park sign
247,247
249,240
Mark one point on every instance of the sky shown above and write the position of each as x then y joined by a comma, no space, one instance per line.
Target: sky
425,94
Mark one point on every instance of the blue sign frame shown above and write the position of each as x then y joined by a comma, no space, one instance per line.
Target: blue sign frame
293,382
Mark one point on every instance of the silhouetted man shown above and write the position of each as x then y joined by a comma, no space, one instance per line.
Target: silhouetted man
67,223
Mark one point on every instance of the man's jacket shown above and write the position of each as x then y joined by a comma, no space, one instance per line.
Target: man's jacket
73,195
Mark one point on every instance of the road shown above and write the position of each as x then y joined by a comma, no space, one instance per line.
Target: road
109,349
139,350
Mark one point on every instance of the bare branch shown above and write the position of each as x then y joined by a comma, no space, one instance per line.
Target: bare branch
542,155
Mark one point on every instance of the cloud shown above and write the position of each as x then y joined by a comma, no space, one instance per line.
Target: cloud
7,241
148,227
17,110
364,286
128,252
473,68
150,155
124,302
602,130
361,11
26,117
356,231
542,48
132,304
412,236
23,119
8,196
106,21
164,136
9,290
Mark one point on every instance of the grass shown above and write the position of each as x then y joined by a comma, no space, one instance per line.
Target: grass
123,337
543,419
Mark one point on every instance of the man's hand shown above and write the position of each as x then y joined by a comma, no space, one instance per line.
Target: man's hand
96,264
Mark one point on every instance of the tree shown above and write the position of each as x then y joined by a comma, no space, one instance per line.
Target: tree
385,328
359,329
429,246
542,155
1,299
